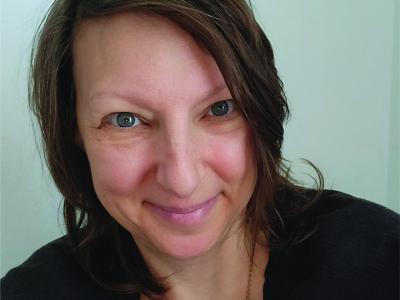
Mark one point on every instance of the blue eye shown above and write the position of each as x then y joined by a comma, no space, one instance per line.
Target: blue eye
221,108
124,119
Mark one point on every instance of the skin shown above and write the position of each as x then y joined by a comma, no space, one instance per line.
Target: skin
178,155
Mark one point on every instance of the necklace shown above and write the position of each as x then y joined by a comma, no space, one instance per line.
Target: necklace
249,280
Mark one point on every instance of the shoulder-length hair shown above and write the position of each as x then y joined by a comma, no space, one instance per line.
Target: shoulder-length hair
277,210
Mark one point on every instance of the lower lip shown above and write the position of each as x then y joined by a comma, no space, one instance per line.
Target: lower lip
195,217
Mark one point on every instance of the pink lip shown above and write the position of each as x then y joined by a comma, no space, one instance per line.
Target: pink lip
184,216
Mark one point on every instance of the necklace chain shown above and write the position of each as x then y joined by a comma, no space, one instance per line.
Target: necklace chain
249,280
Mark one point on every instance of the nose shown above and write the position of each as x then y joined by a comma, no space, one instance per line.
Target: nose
179,166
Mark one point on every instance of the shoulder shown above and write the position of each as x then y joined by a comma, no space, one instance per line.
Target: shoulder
356,226
354,253
52,272
336,211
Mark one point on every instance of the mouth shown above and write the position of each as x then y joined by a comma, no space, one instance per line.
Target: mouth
185,210
192,215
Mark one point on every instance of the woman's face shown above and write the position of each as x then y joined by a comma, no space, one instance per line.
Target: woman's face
170,155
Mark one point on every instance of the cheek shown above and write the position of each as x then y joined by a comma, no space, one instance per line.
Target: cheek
118,171
231,157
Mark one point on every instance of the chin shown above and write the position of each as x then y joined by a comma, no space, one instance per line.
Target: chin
172,243
187,247
176,239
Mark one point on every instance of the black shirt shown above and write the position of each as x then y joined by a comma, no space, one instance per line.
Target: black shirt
354,254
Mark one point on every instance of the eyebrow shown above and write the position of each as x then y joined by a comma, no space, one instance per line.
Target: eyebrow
218,89
135,98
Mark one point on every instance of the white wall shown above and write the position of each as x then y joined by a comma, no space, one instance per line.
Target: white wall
29,202
340,64
339,61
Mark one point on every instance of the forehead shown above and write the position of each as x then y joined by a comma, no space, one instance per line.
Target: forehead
147,54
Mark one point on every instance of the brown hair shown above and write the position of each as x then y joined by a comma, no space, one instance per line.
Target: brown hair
228,30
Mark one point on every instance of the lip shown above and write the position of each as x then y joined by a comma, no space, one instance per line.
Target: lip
187,216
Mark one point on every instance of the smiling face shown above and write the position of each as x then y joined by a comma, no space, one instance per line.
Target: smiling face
170,155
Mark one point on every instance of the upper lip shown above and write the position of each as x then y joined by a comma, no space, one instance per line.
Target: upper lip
182,210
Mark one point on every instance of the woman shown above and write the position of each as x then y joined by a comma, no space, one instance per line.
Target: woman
162,127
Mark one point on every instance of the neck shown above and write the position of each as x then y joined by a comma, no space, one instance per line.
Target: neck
222,273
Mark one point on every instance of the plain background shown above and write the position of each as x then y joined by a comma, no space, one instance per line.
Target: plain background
339,61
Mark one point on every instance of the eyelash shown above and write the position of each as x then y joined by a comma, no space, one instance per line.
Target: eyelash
112,119
231,107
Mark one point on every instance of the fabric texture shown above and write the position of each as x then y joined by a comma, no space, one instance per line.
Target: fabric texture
354,254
